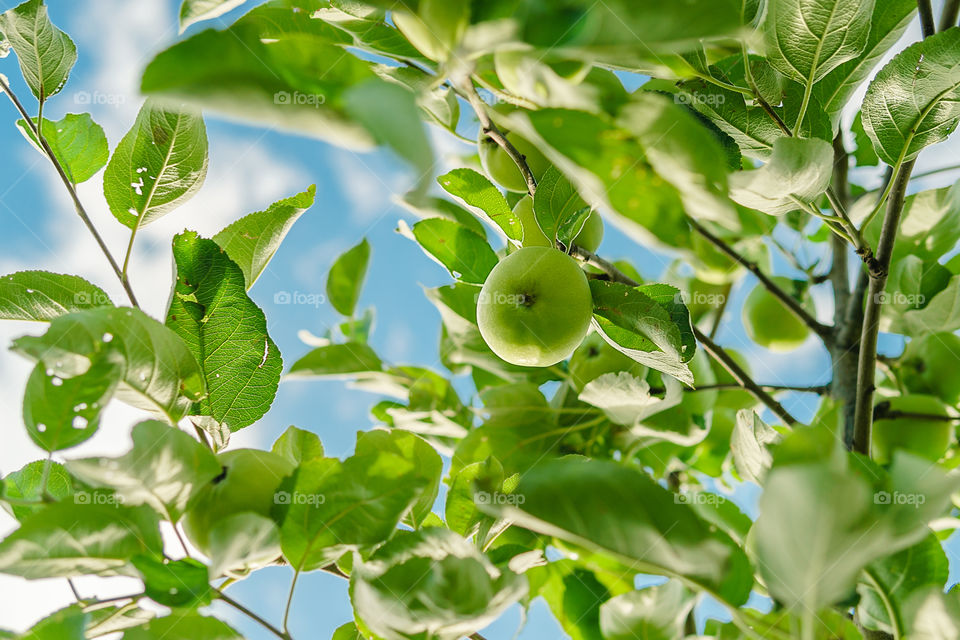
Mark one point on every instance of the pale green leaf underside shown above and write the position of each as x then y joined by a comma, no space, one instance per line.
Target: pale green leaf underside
42,296
193,11
160,164
799,170
46,53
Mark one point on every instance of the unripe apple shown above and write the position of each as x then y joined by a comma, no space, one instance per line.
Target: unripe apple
769,323
501,167
248,482
595,357
533,235
591,235
535,307
928,438
929,365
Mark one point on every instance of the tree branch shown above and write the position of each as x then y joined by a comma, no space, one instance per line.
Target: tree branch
824,331
951,9
253,616
863,418
491,130
35,129
926,18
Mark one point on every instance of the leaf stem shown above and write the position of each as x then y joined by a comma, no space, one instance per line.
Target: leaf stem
825,332
866,365
253,616
491,130
70,189
931,172
286,609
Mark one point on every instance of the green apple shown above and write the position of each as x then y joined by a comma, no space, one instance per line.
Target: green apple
591,234
927,438
535,307
248,482
769,323
929,365
437,27
500,166
595,357
533,235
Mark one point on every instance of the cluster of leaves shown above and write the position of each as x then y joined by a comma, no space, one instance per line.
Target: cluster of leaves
562,483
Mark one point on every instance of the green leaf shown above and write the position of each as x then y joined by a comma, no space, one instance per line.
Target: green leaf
337,360
574,595
654,613
227,333
643,328
252,240
824,518
929,225
864,154
555,202
178,583
193,11
42,296
807,39
415,450
46,53
347,632
113,619
465,255
78,143
65,624
431,207
932,614
901,121
684,153
243,542
657,534
277,65
893,579
799,170
749,443
27,484
889,21
477,191
158,371
390,113
164,469
67,539
431,583
298,446
346,278
370,32
183,625
62,413
158,165
627,400
346,505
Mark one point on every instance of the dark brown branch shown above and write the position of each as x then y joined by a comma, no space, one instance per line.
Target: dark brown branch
926,18
951,9
35,129
824,331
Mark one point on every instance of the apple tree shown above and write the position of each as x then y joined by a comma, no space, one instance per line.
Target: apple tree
592,463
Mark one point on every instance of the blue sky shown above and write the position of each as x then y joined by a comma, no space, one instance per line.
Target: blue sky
250,167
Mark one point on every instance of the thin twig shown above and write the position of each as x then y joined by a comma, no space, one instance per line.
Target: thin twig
253,616
931,172
721,386
866,366
491,130
718,318
35,129
951,9
824,331
927,25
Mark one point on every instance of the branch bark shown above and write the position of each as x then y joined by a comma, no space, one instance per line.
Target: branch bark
824,331
5,88
951,9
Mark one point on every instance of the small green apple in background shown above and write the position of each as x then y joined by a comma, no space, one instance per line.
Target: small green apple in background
769,323
927,438
930,365
436,27
248,483
535,307
589,237
595,357
500,166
